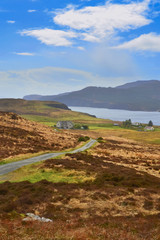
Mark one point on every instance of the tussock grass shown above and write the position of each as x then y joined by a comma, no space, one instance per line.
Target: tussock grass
34,173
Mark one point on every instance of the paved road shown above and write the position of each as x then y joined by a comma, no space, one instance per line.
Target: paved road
7,168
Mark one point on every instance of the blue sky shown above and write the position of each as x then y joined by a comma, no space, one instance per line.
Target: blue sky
49,47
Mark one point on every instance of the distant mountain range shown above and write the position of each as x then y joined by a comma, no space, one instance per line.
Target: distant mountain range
136,96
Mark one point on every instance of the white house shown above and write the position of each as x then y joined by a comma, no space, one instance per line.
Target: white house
148,128
136,124
115,124
65,125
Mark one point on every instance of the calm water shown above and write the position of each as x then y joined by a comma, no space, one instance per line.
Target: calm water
121,115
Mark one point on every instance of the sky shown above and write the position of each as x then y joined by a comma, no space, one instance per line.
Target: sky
49,47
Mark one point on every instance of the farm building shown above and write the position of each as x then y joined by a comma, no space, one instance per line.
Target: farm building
148,128
136,124
65,125
115,124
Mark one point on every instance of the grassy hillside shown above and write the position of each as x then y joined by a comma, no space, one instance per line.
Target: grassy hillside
21,136
63,115
46,112
21,106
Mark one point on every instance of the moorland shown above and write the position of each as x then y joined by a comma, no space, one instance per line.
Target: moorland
110,191
47,112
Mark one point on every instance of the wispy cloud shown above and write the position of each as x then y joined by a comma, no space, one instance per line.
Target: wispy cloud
51,37
11,21
24,54
81,48
145,42
32,10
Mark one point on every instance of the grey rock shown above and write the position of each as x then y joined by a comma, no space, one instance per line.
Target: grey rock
33,217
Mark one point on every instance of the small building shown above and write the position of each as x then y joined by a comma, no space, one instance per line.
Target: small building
65,125
149,128
116,124
136,124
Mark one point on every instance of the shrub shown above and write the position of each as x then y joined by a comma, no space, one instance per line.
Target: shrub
83,139
100,139
86,138
148,204
9,206
77,126
127,123
85,127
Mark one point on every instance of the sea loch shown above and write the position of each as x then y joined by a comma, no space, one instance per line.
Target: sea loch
121,115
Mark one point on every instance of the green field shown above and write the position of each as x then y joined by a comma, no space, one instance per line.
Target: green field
66,115
100,127
47,112
34,173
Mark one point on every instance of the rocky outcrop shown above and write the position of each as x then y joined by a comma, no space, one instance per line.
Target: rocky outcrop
33,217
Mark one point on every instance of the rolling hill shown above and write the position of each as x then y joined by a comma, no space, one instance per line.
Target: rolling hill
21,106
21,136
136,96
47,112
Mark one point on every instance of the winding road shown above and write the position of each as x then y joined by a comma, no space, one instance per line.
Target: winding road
10,167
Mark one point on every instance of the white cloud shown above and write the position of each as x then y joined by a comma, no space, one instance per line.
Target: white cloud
51,37
146,42
92,23
90,37
11,21
24,54
81,48
98,21
32,10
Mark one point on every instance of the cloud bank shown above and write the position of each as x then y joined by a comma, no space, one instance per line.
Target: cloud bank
50,81
93,23
24,54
